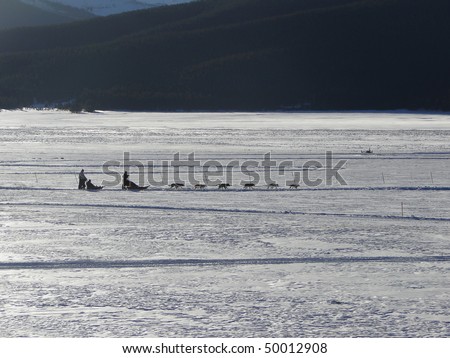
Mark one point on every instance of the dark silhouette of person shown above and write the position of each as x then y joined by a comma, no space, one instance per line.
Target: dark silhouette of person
82,180
126,182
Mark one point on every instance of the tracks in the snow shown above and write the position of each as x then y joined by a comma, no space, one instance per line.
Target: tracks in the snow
99,264
221,210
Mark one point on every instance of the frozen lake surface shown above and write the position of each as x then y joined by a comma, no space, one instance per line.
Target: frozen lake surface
326,261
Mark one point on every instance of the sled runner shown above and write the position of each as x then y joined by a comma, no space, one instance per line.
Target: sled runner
134,186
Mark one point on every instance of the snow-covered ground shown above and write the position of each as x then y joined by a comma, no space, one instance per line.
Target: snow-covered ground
331,261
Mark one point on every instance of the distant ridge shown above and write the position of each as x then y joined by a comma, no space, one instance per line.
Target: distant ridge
17,13
110,7
238,55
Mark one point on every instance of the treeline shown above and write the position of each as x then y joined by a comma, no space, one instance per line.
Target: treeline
237,55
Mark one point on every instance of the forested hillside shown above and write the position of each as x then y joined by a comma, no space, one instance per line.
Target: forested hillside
238,55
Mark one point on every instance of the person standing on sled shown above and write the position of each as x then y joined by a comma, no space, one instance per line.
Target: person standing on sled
82,180
126,182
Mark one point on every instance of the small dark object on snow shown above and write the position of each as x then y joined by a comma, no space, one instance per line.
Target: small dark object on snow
176,185
90,186
134,186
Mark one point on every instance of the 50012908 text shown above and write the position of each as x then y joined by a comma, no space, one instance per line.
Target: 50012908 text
297,348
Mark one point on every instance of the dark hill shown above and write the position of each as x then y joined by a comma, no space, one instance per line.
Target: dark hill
238,55
14,13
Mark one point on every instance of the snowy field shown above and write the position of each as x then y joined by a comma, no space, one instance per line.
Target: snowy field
325,261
